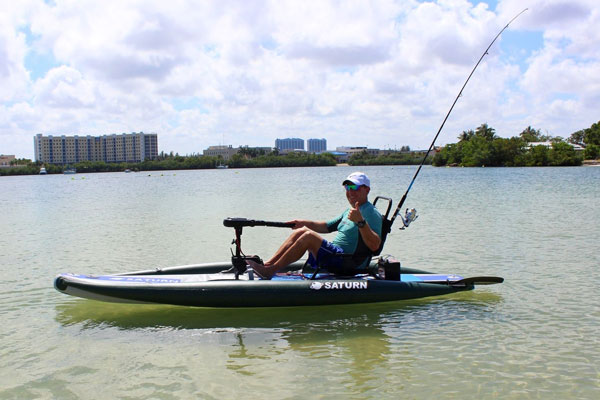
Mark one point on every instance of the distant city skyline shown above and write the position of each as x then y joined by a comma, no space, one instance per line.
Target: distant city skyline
72,145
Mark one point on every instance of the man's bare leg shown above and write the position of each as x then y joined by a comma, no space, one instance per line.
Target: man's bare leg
293,238
291,251
309,241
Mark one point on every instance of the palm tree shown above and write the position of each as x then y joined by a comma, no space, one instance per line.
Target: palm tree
486,132
465,136
531,135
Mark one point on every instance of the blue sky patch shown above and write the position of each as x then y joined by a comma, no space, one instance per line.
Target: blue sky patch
37,63
518,46
491,3
188,103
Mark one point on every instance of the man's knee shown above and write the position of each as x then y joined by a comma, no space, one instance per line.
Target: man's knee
311,240
297,234
305,230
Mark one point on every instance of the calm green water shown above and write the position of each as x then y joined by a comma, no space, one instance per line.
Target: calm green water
535,336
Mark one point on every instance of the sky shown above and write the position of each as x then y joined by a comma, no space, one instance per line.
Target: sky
379,73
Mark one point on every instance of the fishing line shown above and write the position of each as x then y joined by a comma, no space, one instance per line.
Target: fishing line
447,115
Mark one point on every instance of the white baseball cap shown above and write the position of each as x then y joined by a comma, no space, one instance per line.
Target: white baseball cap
357,178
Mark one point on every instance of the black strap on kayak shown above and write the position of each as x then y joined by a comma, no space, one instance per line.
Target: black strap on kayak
397,212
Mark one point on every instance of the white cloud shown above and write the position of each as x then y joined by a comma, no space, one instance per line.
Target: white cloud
381,73
64,87
14,78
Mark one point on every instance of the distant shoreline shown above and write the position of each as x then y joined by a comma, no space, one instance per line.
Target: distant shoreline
6,171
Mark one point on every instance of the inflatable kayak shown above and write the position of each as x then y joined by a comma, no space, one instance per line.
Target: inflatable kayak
218,285
233,284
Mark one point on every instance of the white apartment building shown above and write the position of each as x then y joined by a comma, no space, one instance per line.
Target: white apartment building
132,147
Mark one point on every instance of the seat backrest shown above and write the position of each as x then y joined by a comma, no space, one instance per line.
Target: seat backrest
361,248
386,227
386,224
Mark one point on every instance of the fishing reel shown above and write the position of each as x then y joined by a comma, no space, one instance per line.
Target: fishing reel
409,216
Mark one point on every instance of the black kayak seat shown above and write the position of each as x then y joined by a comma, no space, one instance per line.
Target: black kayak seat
358,262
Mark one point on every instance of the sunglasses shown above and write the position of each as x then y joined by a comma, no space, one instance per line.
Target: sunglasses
352,187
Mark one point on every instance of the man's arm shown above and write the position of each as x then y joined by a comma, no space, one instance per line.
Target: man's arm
317,226
369,236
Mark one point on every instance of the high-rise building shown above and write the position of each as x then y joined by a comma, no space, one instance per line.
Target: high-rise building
289,144
133,147
317,145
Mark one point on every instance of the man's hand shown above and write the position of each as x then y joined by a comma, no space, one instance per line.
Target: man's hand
317,226
354,215
371,239
298,223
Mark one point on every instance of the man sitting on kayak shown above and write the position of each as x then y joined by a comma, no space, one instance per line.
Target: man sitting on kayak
360,221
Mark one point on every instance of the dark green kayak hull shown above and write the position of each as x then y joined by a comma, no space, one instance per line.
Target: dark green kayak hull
204,286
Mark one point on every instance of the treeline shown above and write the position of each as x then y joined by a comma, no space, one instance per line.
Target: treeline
365,158
167,163
289,160
177,162
28,169
482,147
590,139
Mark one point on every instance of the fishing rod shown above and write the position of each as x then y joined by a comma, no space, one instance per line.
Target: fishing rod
411,215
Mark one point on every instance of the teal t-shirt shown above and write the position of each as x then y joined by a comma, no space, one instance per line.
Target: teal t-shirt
347,236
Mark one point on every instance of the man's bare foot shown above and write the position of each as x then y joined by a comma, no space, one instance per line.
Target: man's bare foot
261,270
